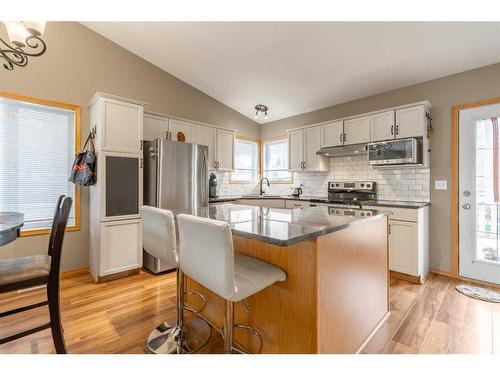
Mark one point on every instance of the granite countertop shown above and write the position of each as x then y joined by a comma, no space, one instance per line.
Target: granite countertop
10,223
377,203
283,227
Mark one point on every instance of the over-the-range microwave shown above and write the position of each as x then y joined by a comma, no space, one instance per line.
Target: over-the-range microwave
398,151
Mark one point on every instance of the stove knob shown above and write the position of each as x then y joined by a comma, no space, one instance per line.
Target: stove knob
363,185
368,186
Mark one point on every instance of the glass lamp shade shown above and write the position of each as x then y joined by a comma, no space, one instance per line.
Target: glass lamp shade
17,33
35,27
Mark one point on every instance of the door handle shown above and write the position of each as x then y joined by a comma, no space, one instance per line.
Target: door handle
466,206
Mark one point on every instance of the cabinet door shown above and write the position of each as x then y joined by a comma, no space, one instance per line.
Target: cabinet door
357,130
410,122
121,246
403,250
154,127
122,126
332,134
225,150
205,135
295,150
382,126
312,143
181,131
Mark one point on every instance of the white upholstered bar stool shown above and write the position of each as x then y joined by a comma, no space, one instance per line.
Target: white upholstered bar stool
207,256
185,335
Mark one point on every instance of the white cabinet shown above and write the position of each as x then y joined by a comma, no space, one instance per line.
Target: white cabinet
272,203
115,199
225,150
121,246
332,134
155,127
302,147
207,136
181,131
296,204
410,122
357,130
118,124
382,126
408,241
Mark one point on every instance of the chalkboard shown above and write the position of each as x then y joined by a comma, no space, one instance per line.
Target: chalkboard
122,186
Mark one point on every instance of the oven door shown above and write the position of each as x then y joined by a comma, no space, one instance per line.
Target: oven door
404,151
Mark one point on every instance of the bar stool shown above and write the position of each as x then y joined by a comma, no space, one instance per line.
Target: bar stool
183,336
207,256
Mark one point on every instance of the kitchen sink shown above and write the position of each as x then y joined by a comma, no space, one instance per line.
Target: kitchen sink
260,196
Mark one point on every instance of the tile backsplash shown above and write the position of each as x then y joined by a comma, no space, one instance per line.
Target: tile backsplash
406,184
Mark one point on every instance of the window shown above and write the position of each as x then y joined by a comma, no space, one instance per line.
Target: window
275,160
37,148
246,161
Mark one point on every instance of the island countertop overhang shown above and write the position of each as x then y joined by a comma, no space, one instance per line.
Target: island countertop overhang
284,227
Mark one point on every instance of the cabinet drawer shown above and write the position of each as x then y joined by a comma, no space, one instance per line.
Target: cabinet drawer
296,204
404,214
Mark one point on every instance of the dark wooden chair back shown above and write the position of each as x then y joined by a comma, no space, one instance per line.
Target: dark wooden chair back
57,232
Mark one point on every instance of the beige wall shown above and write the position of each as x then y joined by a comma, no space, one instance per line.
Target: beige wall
443,93
79,62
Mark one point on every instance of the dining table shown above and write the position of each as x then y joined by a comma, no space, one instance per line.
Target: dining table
10,226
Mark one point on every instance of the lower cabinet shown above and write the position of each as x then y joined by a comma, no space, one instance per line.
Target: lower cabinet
121,246
273,203
297,204
408,242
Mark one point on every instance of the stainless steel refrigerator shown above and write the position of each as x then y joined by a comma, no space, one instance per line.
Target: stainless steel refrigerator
175,177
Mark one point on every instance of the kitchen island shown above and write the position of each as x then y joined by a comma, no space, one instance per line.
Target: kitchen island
336,291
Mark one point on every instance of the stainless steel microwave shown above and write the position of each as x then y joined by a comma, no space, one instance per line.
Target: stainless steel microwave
398,151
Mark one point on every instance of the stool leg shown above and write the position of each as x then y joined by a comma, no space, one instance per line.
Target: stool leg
186,335
228,327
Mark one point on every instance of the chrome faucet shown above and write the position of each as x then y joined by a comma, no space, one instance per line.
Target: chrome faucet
268,184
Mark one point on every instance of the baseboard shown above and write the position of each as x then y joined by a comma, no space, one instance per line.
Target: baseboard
118,275
405,277
75,272
442,273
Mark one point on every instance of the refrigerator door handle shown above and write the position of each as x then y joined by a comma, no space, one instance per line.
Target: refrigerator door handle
159,166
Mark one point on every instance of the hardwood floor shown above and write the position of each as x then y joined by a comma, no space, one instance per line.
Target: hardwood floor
117,316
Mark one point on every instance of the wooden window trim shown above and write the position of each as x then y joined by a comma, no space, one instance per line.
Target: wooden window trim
78,119
455,245
253,140
268,140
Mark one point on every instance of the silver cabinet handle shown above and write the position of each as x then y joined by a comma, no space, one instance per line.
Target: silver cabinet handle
340,137
466,206
345,137
466,193
166,134
392,129
397,129
141,144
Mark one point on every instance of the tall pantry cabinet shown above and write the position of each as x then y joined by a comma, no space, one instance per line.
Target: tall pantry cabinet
115,222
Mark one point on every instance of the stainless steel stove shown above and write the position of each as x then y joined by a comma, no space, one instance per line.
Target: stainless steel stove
350,194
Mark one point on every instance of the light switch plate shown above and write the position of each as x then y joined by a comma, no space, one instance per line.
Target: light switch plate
440,184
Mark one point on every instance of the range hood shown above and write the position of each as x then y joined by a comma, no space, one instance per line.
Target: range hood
358,149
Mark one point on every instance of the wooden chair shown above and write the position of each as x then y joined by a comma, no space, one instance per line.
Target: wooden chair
27,272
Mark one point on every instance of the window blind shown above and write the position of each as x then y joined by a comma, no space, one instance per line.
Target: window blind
276,160
245,161
37,146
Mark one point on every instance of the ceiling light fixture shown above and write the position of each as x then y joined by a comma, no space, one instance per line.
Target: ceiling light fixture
261,108
22,35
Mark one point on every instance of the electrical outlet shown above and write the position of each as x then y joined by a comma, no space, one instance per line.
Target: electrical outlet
440,185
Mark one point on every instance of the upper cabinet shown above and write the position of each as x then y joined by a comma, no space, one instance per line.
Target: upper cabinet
225,150
332,134
118,123
155,127
181,131
410,122
207,136
382,126
357,130
302,147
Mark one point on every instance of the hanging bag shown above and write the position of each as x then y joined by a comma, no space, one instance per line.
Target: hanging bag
84,166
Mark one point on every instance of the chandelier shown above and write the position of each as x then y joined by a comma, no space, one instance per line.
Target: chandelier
26,42
261,108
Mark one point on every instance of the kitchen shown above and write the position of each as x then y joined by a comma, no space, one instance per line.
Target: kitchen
344,212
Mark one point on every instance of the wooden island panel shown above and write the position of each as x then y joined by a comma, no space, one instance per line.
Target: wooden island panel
335,293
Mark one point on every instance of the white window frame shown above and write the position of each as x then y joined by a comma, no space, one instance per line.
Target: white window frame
232,180
287,180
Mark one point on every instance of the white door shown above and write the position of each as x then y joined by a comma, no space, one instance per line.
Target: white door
154,127
357,130
410,122
382,126
181,131
332,134
312,143
403,251
225,150
479,194
207,136
295,150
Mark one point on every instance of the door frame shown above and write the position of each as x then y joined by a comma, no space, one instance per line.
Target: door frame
455,249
